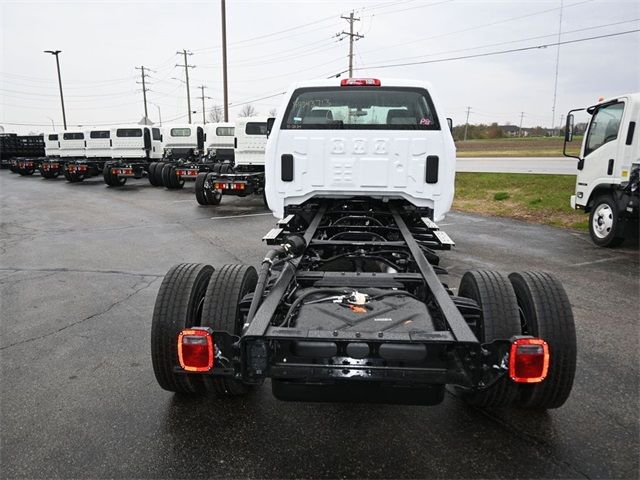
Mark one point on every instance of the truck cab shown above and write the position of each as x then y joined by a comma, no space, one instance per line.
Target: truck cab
98,143
381,138
136,142
219,140
72,144
250,141
607,168
182,141
51,145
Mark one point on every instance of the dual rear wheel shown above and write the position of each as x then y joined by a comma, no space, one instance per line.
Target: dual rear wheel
195,295
528,303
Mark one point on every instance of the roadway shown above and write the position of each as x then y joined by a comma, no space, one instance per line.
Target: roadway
546,165
80,267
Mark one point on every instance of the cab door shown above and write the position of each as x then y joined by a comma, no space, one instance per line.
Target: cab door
602,150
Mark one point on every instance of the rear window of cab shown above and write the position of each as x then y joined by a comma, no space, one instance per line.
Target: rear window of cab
361,108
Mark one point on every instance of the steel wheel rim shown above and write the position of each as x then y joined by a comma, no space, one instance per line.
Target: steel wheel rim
602,221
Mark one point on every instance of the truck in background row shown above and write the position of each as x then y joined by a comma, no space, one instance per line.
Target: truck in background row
607,182
133,148
245,174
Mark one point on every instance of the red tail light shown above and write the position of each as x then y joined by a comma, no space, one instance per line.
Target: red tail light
360,82
529,360
195,349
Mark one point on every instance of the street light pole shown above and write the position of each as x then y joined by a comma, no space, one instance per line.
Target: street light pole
55,53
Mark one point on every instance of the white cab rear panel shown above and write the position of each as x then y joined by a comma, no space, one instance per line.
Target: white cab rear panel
381,163
98,143
51,144
71,144
251,141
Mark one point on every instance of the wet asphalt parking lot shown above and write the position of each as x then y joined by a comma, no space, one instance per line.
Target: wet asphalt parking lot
80,266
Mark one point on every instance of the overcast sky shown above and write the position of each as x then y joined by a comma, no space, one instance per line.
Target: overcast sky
273,43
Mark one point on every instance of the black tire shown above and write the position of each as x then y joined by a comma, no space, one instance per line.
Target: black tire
605,225
157,173
111,179
47,173
201,196
500,320
177,182
220,312
166,176
546,313
178,306
151,174
214,197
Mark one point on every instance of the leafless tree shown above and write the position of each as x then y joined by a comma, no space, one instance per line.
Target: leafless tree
273,112
248,110
215,114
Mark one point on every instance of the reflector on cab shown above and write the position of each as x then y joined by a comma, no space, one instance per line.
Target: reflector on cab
195,349
360,82
529,360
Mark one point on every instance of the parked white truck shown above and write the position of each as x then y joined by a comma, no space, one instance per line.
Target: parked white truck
349,305
607,182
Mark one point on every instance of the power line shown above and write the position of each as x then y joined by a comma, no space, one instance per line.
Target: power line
476,27
480,47
488,54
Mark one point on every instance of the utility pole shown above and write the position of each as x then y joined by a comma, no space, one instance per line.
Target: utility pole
64,116
466,124
186,75
224,61
520,129
555,84
204,111
144,91
351,19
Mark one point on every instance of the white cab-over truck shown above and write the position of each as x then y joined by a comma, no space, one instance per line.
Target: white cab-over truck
348,304
245,174
607,184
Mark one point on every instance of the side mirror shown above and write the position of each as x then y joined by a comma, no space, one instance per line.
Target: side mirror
568,130
161,138
270,122
450,123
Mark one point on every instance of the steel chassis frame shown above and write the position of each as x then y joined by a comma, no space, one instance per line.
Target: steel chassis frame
454,353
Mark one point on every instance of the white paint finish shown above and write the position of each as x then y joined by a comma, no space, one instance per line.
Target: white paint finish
377,163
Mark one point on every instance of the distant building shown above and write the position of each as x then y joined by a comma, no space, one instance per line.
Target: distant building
510,130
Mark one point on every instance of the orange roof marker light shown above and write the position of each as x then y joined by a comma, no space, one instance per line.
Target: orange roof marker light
529,360
195,349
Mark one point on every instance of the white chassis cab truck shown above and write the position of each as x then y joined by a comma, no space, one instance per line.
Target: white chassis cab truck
607,184
133,148
349,305
51,165
219,140
246,174
183,147
97,153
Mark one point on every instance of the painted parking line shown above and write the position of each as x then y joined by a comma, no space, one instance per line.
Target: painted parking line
242,216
